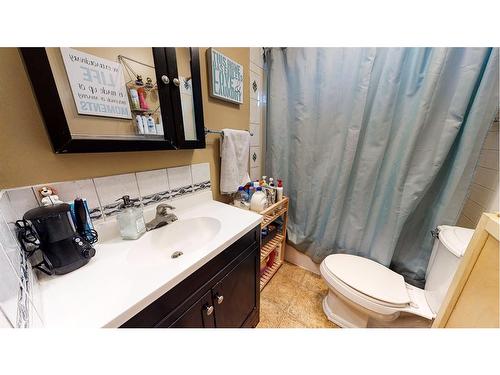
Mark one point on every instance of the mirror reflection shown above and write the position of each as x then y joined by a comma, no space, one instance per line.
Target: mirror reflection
183,56
108,93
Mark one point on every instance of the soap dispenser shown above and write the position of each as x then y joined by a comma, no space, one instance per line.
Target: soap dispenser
130,219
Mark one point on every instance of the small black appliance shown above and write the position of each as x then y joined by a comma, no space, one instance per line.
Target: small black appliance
64,249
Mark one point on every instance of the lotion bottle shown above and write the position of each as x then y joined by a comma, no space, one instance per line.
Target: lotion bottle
130,220
140,125
134,98
159,125
151,124
279,190
145,124
258,201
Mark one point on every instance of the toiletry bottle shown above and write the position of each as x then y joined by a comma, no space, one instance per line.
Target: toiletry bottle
141,92
251,190
145,124
272,191
159,125
130,220
258,201
134,98
140,125
151,124
279,190
241,199
236,201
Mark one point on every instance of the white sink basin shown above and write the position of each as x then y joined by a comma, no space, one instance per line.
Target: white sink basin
183,235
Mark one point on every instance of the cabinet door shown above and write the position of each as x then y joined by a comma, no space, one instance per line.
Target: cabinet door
199,315
185,93
236,296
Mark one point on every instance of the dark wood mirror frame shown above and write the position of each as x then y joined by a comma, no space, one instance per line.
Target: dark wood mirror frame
39,70
180,141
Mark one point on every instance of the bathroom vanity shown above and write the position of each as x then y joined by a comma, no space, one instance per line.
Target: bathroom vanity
200,271
224,293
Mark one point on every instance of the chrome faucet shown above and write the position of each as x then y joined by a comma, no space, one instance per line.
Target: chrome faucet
163,217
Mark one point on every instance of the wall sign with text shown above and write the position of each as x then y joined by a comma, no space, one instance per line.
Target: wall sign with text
226,77
97,84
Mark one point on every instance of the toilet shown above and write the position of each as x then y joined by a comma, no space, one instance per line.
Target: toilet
365,293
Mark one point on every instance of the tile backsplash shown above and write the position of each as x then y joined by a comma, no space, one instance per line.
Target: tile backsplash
111,188
103,193
67,191
180,180
153,186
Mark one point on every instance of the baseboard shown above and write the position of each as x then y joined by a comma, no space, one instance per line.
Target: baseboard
292,255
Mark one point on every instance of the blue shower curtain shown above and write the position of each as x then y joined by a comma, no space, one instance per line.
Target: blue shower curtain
376,146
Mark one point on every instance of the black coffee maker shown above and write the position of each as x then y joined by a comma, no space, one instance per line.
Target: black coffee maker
63,248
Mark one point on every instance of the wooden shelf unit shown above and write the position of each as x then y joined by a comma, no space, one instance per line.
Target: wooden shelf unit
277,242
269,273
268,248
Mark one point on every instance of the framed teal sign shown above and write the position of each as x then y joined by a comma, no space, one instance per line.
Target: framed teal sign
225,77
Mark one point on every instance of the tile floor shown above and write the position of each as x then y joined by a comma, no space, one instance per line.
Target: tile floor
292,299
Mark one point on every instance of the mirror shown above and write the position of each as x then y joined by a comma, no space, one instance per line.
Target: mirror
183,57
118,99
108,93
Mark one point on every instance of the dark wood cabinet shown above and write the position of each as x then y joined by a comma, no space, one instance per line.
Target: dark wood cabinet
224,293
199,315
232,300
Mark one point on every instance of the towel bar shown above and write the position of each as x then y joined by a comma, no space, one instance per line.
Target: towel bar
220,132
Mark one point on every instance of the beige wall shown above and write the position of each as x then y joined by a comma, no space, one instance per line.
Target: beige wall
26,155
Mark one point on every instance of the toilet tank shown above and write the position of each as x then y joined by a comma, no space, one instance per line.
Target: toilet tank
447,252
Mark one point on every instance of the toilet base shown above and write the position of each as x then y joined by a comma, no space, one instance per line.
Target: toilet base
347,314
342,314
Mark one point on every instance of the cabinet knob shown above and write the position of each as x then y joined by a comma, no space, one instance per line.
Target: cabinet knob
209,309
165,79
219,299
176,81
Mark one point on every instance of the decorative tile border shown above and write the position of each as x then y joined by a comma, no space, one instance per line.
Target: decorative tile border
179,192
113,209
201,186
155,198
95,213
23,305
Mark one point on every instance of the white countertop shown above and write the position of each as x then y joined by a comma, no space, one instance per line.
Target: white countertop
123,278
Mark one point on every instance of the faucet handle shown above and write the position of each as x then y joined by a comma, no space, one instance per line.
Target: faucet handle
162,208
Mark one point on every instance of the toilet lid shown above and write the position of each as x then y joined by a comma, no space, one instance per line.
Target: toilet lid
368,277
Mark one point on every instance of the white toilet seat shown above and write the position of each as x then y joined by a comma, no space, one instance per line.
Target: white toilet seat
370,278
358,297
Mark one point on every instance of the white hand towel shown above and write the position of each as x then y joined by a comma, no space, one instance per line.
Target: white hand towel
235,150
